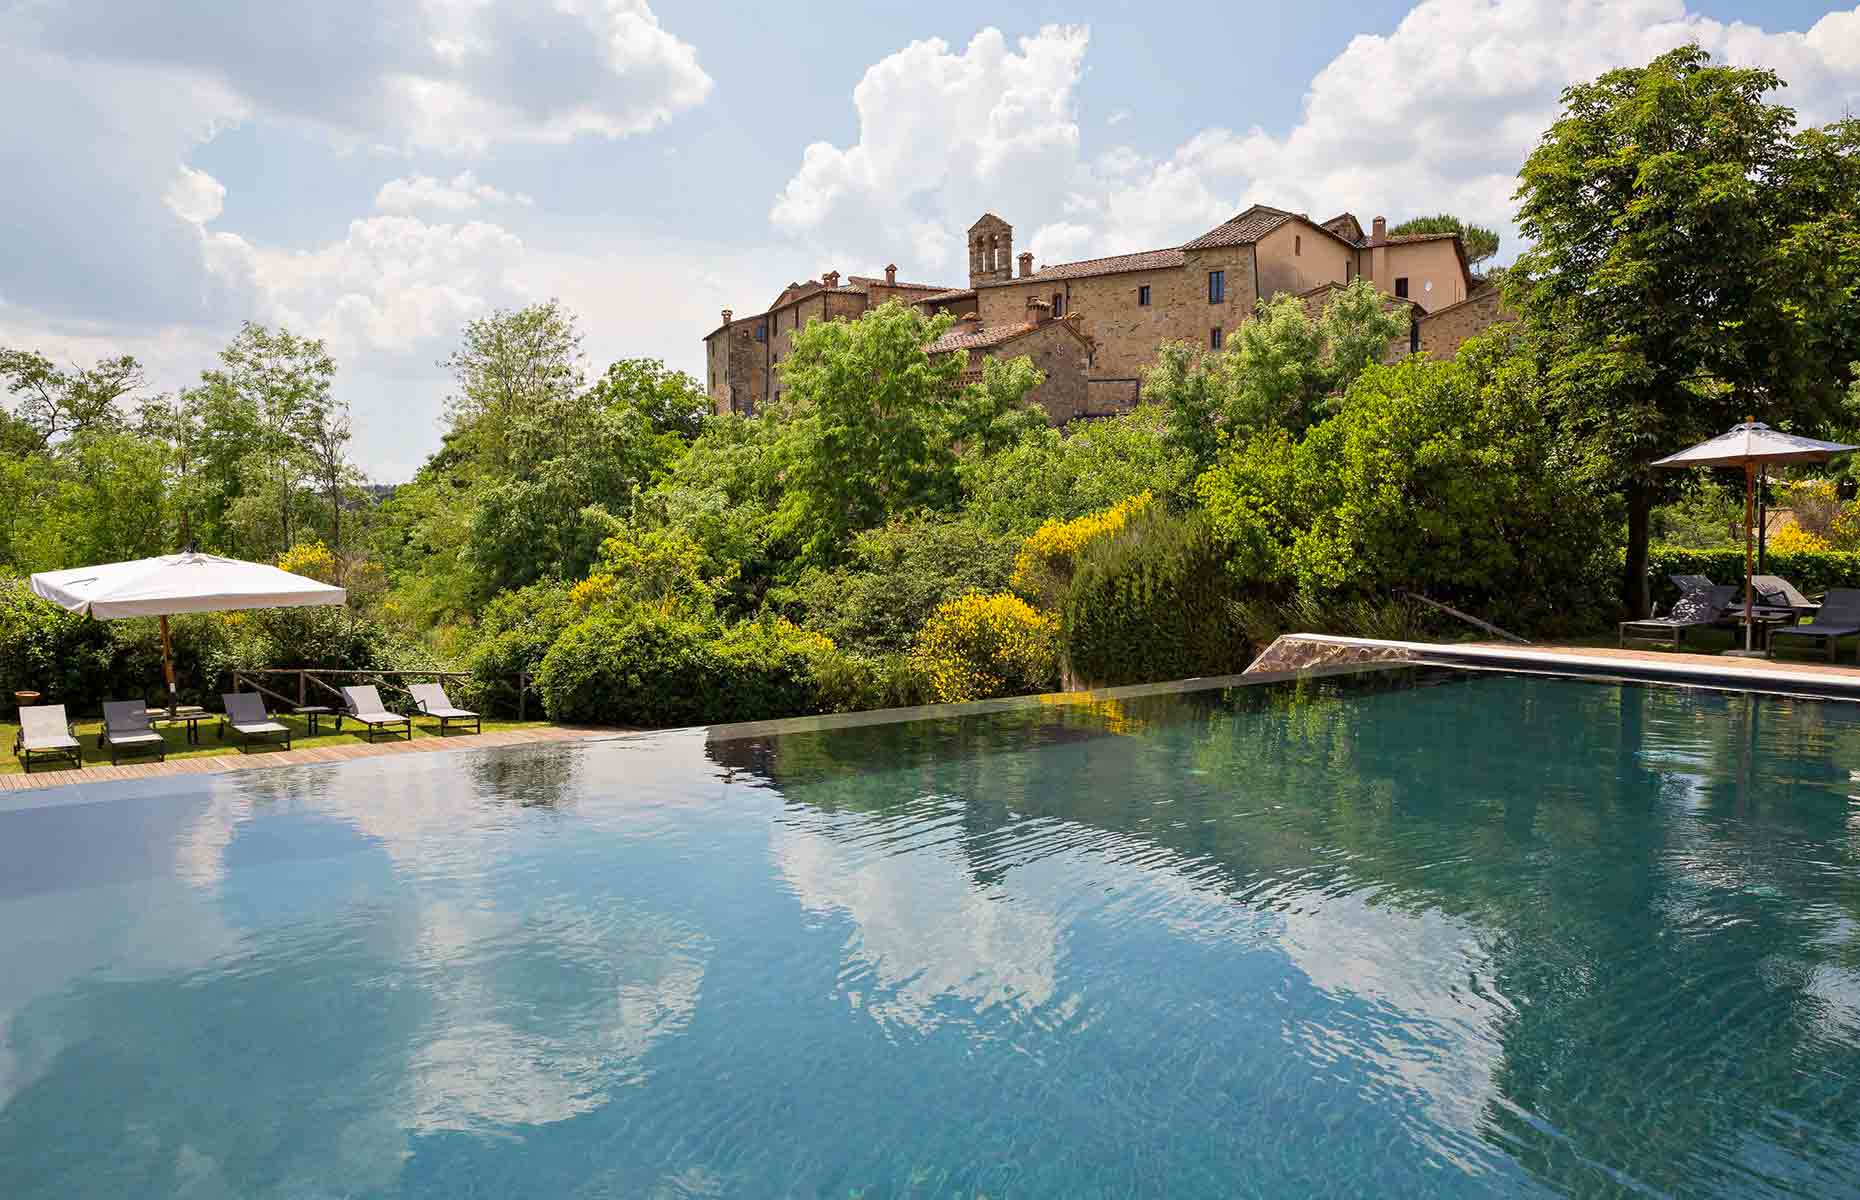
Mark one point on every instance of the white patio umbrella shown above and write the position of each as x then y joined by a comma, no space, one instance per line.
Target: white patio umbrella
1749,446
179,583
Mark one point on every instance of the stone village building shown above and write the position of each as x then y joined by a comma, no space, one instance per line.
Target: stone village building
1094,326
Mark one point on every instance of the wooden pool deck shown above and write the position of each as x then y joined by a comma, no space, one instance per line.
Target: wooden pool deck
219,764
1788,675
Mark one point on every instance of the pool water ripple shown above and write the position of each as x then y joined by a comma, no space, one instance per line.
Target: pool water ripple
1459,935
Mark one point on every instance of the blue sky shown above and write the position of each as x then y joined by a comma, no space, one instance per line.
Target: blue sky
376,173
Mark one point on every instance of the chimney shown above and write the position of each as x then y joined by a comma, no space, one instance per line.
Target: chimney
1380,229
831,279
891,275
1039,312
726,316
1026,263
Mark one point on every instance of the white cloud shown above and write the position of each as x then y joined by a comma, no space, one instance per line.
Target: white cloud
463,193
1118,117
456,75
942,136
391,283
1436,115
195,196
1439,114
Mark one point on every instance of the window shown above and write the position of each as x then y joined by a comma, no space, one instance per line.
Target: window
1059,305
762,330
1401,286
1215,338
1143,296
1217,286
1298,244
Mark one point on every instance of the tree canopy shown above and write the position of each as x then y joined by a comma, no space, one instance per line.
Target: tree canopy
1668,209
1479,242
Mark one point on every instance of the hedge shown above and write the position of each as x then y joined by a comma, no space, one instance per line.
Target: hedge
652,669
1812,571
1152,601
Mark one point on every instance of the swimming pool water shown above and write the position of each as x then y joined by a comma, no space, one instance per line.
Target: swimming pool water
1465,936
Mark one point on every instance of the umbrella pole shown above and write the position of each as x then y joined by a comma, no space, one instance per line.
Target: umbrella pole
1749,506
167,662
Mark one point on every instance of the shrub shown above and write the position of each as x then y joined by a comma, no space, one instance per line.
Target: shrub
1054,474
978,646
1792,538
1152,602
898,575
72,660
1043,567
647,670
514,633
655,669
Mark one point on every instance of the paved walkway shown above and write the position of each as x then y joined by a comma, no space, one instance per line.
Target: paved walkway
1715,662
214,764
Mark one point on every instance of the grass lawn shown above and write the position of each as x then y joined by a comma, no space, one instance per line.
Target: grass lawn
176,737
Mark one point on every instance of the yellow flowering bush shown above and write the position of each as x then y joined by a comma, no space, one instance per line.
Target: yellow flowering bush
979,646
1044,563
312,559
1792,537
592,592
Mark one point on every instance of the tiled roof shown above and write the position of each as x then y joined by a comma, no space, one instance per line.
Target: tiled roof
1398,238
915,287
981,339
953,294
1242,229
1143,260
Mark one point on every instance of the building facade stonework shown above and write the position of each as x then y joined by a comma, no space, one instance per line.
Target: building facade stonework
1121,308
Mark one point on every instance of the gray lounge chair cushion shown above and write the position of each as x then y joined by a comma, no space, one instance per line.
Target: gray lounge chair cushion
45,727
126,723
1839,616
365,706
434,702
245,712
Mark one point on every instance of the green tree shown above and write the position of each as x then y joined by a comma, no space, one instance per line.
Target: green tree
1660,208
1059,474
866,425
512,368
55,402
1279,371
1448,478
1479,242
270,391
673,401
992,413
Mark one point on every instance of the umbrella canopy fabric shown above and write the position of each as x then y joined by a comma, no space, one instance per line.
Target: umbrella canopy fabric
1753,442
179,583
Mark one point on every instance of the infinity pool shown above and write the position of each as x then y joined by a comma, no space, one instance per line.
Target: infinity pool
1466,935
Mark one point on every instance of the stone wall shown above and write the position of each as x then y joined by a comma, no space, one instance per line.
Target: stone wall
1294,652
1295,258
1443,331
1105,397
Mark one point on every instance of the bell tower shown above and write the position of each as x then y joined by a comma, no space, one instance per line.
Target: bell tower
991,250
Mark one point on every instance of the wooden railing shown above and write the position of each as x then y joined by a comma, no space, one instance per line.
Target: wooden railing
320,677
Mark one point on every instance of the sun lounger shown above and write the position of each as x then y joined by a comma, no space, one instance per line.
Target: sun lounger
126,730
1700,610
45,734
1773,591
246,716
364,706
431,697
1839,616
